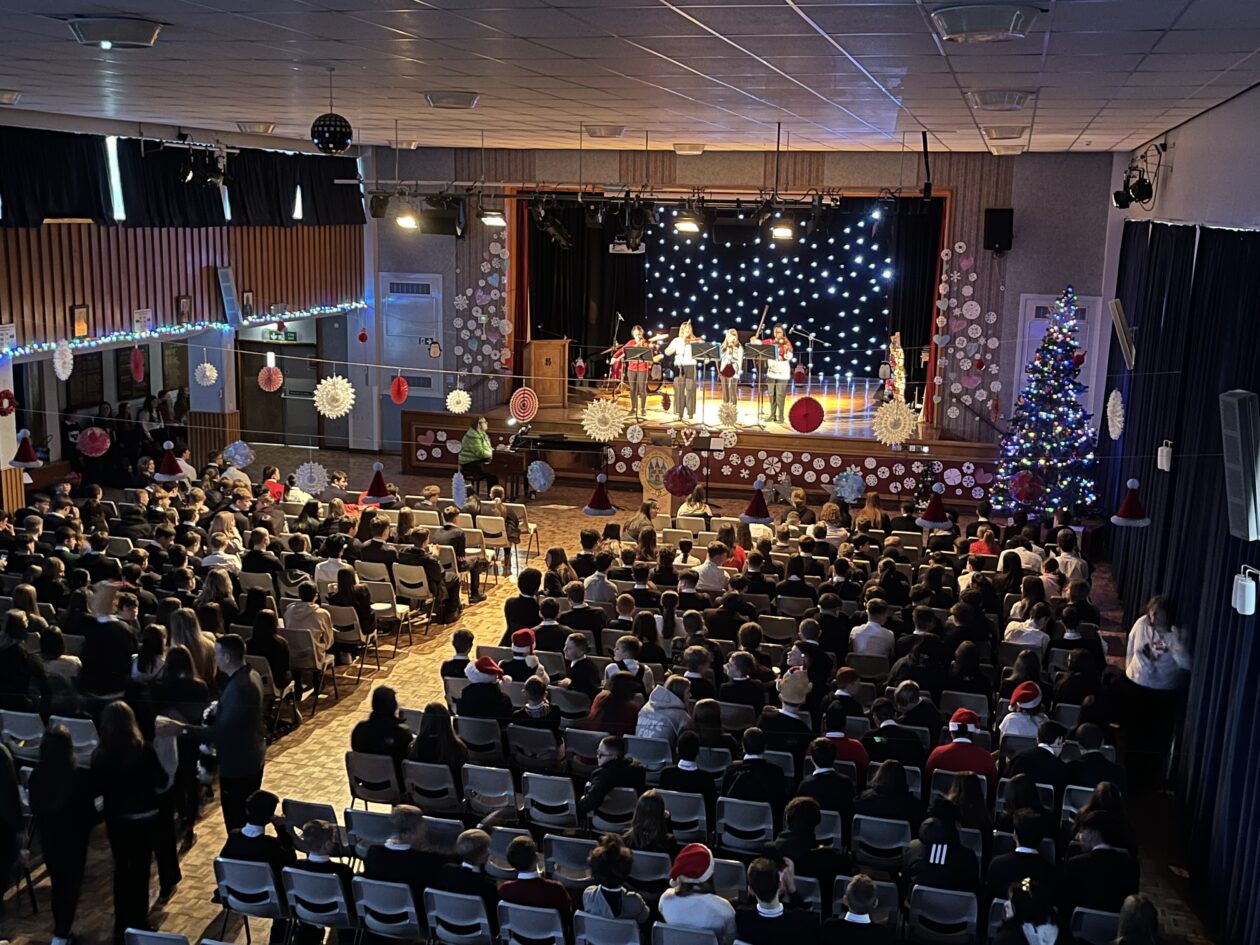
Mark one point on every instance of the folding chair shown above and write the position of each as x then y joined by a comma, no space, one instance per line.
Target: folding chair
388,910
139,937
22,732
274,697
941,916
743,826
1094,927
249,890
304,658
349,632
549,801
488,789
317,899
880,843
367,828
411,585
687,816
483,738
663,934
526,925
654,754
431,786
591,929
567,859
297,814
533,749
373,778
455,919
615,812
387,609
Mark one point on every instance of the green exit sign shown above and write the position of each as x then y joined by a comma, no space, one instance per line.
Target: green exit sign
282,336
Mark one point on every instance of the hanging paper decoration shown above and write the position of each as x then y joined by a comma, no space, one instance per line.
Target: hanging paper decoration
1115,414
271,379
334,397
363,336
540,476
137,365
848,486
311,478
679,480
8,403
206,374
805,415
238,453
94,442
579,368
1027,487
459,490
799,374
63,361
634,433
894,423
279,324
458,401
524,405
399,390
604,420
728,415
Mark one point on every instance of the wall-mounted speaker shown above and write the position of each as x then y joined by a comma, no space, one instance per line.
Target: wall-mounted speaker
999,229
1240,439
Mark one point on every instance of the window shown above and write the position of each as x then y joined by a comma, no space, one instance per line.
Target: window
86,386
128,387
297,202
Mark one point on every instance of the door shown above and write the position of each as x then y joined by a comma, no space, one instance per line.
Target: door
286,417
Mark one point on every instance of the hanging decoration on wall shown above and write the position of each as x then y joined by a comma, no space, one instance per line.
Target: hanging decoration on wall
63,360
137,365
459,490
729,439
334,397
25,457
206,374
399,390
363,336
634,433
238,453
1131,514
311,478
894,422
94,442
604,420
8,403
458,401
966,340
435,349
680,480
523,405
270,378
1163,457
805,415
1115,414
540,476
483,332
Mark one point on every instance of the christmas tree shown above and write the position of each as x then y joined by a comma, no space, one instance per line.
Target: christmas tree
1046,460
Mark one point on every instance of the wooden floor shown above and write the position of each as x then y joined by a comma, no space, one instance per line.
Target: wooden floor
308,762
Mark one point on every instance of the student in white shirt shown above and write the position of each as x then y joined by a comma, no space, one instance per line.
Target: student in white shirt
1071,565
684,371
709,576
873,638
1031,633
1156,656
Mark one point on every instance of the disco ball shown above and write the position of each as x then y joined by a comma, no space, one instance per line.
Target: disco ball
331,133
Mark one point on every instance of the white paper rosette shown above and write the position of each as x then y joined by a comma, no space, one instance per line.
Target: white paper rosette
334,397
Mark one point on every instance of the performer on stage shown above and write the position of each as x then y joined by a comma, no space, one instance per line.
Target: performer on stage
730,364
475,451
636,372
778,372
684,372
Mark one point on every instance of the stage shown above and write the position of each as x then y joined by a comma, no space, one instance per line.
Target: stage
843,441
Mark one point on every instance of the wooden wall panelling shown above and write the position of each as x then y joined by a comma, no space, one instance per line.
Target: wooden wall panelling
211,431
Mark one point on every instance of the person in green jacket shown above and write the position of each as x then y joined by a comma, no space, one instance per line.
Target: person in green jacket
475,451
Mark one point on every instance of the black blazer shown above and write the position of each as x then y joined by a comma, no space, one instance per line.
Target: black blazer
484,701
747,692
894,741
615,773
260,562
582,618
379,552
1042,767
519,612
755,779
833,792
455,878
1011,868
1100,879
237,731
1092,768
675,778
418,869
584,677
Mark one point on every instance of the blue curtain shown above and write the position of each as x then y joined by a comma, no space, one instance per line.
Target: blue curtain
1194,297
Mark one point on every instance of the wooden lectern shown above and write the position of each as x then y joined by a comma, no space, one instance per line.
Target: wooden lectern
547,370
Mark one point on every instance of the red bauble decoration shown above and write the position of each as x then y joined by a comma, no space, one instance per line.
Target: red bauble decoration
399,390
1027,487
363,336
665,400
137,365
279,326
1079,358
800,374
93,442
979,364
806,415
270,379
680,481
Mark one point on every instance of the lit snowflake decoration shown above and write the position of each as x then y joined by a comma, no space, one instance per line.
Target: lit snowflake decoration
206,374
745,473
627,452
63,361
894,423
603,420
458,401
461,302
729,438
728,414
968,467
1115,414
916,467
311,478
334,396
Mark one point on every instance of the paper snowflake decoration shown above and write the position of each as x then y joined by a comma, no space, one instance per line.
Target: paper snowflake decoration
311,478
206,374
634,433
894,422
1115,414
729,438
63,361
691,461
728,414
238,453
334,396
458,401
461,302
603,420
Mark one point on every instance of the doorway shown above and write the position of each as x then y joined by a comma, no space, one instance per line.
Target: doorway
286,417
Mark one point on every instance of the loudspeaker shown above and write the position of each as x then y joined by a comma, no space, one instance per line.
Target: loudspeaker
999,224
1240,438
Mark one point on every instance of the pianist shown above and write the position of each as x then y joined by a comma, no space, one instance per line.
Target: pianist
475,451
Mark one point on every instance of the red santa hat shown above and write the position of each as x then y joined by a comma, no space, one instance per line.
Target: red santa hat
962,719
523,641
25,457
757,513
1027,695
693,864
376,492
1131,514
934,515
170,470
600,503
485,669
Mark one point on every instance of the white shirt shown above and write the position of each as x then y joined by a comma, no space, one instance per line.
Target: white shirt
1027,635
222,560
326,571
232,474
700,911
681,350
1022,724
780,367
1153,658
710,577
871,638
599,588
1073,567
1030,560
186,468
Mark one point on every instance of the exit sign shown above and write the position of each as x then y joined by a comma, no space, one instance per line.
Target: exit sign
282,336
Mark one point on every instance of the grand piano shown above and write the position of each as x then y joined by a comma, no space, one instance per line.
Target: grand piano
564,455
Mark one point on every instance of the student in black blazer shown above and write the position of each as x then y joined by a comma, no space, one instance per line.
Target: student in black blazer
644,596
888,739
779,914
1093,767
758,582
832,790
741,688
752,778
686,776
522,610
466,875
1041,762
855,927
581,674
580,615
1105,874
888,796
404,858
1025,861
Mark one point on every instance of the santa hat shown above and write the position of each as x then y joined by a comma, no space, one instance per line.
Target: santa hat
1131,514
794,687
485,669
25,457
934,515
170,470
376,492
1027,695
693,864
963,718
523,641
757,513
599,503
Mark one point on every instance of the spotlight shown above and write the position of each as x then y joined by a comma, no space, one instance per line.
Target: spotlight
408,218
1120,199
378,206
494,218
782,231
638,219
1141,190
546,220
688,221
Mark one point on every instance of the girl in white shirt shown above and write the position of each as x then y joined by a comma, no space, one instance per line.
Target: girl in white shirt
1156,656
684,371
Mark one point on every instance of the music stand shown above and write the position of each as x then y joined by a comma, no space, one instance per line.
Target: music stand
762,354
639,354
704,351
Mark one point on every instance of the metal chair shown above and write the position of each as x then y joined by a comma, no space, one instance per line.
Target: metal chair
366,828
941,916
615,812
567,860
431,786
596,930
533,749
373,778
688,818
273,696
880,843
349,632
304,658
318,899
526,925
297,814
655,754
743,826
249,890
483,738
455,919
549,801
488,789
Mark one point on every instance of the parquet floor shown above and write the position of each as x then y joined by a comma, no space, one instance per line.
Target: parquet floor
308,762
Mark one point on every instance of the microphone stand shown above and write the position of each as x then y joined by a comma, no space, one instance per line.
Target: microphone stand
811,337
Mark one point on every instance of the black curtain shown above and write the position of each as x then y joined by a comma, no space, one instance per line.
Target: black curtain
48,175
1193,344
916,246
154,193
262,188
325,202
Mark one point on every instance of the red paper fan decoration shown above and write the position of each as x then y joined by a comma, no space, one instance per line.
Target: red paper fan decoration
680,481
399,390
8,403
363,336
524,405
270,379
94,442
137,365
806,415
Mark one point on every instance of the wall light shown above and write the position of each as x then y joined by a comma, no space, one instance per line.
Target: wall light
1244,594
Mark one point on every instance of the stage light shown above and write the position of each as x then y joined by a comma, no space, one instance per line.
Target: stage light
687,222
494,218
408,218
1141,190
782,231
378,206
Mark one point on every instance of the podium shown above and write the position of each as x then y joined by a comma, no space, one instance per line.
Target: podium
547,370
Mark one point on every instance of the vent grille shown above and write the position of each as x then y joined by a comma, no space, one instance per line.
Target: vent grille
410,288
